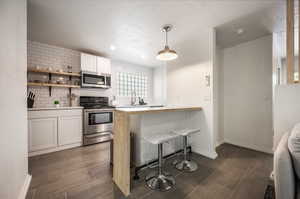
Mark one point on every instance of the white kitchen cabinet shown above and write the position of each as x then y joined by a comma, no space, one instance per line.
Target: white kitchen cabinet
54,130
70,130
103,66
88,63
42,133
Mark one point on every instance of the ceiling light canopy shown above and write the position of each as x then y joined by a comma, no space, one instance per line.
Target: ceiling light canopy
240,31
167,54
112,47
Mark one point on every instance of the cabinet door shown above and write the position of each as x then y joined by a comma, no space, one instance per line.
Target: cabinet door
107,66
88,63
103,66
70,130
42,133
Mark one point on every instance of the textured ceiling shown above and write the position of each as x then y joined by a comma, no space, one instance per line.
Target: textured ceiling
133,27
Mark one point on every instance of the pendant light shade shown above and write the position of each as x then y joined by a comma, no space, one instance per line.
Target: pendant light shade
167,54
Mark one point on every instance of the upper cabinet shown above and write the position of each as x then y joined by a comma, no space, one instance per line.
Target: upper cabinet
88,63
103,66
95,64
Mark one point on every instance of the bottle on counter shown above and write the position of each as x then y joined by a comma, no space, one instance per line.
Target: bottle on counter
114,102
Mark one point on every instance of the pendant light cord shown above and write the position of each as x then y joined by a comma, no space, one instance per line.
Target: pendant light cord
166,37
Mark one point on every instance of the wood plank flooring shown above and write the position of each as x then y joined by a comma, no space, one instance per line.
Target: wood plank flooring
85,173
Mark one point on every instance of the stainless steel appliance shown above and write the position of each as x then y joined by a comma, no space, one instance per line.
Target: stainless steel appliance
92,80
97,120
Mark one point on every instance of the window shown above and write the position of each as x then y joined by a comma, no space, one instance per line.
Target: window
128,82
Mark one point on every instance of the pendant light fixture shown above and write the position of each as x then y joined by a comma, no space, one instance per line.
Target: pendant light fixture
167,54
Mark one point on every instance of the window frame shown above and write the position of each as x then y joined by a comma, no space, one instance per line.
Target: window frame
127,82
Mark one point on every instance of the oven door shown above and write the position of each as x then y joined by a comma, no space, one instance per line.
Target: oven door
89,80
98,121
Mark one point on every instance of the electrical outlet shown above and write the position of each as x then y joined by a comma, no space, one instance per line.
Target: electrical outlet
207,80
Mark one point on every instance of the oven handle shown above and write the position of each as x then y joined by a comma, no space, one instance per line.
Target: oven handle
99,134
98,111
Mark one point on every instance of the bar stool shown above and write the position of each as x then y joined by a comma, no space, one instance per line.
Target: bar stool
160,180
185,164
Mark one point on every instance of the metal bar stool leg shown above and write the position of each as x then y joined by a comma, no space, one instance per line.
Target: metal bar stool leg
160,181
185,164
160,155
185,147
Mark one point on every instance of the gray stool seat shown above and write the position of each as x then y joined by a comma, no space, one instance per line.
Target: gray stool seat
159,138
185,164
160,180
186,132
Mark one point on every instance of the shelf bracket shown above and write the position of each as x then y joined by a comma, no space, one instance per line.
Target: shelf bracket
70,92
50,88
70,99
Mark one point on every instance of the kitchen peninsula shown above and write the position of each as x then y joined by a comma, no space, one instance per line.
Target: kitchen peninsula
141,121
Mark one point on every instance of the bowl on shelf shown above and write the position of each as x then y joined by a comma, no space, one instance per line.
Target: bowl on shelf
52,82
61,80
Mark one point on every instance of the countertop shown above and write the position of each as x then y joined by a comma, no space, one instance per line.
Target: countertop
141,110
54,108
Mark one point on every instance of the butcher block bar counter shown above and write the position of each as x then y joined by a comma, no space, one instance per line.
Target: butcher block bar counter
141,121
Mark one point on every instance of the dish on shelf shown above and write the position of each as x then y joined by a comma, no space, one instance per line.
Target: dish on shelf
61,80
52,81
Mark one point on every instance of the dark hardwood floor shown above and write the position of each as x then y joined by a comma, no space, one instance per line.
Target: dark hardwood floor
85,173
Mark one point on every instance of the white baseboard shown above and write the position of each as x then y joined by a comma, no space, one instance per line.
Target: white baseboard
25,187
219,142
60,148
211,155
250,146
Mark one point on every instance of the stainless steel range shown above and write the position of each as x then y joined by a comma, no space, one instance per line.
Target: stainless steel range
97,119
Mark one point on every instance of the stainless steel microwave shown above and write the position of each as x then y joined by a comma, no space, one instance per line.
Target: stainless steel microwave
92,80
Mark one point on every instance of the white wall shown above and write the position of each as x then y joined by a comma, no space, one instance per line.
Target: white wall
186,85
160,85
218,97
44,56
286,109
246,95
13,114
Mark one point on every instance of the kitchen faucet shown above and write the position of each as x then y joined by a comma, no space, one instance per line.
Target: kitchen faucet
133,97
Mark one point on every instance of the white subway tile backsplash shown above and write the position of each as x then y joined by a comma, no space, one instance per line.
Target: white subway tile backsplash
45,56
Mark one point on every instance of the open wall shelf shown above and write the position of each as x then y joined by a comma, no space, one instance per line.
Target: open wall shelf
53,85
50,85
53,72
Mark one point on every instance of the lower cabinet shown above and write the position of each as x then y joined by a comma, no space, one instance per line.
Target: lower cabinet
70,130
42,133
54,130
